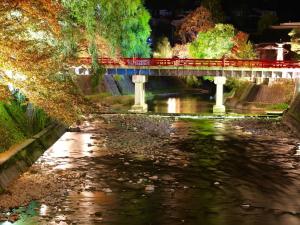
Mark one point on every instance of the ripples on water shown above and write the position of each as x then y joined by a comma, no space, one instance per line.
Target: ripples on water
232,179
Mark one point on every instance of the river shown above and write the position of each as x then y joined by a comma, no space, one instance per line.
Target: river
187,103
210,172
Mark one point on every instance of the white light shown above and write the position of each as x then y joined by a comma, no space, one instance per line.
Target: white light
6,223
172,105
43,210
9,73
298,151
15,76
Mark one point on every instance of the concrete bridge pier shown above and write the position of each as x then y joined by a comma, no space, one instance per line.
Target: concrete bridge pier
219,107
139,94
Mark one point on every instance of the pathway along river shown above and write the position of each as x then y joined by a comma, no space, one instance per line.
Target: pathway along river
127,170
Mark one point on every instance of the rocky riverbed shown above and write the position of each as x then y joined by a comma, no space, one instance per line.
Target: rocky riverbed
136,169
118,140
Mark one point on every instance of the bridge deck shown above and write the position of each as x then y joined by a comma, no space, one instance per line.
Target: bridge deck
200,67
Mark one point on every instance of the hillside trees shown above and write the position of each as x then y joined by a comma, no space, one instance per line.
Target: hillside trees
31,59
40,40
163,49
124,23
213,44
243,48
295,41
200,20
222,41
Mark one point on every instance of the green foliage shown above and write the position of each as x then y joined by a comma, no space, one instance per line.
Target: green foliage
116,103
97,77
18,121
10,132
36,119
135,29
125,24
246,51
210,78
163,49
213,44
279,106
149,96
233,83
193,81
117,77
295,41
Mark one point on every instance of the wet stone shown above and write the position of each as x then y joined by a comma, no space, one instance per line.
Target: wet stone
149,188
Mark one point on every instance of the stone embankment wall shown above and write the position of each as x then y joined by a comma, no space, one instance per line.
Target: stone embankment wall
114,84
20,157
122,85
251,96
292,116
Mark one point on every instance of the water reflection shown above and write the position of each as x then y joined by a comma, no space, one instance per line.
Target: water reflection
189,104
231,179
173,105
181,104
70,145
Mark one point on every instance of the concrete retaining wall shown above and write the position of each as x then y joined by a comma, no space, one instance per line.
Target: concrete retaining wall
292,116
19,158
249,95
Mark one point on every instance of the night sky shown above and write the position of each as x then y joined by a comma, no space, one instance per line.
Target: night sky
287,10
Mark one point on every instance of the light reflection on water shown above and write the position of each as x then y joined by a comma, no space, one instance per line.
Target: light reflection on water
180,104
219,156
70,145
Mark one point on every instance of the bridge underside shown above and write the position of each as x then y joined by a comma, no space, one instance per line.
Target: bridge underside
139,77
228,72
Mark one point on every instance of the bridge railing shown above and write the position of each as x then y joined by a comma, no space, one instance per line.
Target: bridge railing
174,62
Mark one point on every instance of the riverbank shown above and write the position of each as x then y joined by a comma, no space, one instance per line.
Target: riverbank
250,96
292,116
112,136
130,161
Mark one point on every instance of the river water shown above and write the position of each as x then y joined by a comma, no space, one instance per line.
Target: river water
187,103
213,174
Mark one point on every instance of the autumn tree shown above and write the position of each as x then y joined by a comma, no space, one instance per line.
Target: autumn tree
243,48
295,41
180,51
200,20
124,23
213,44
40,40
222,41
32,60
163,49
135,28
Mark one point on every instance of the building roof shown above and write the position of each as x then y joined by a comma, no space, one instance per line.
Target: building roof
289,25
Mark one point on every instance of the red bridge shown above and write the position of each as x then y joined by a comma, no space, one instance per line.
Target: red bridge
175,62
200,67
140,68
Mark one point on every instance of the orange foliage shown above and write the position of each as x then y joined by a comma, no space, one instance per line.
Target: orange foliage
29,33
180,51
242,49
200,20
239,39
